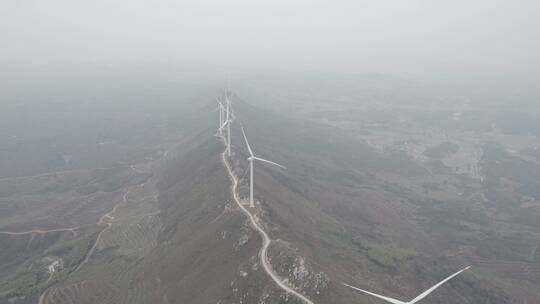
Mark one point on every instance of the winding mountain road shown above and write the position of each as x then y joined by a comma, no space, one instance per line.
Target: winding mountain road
266,239
38,231
100,222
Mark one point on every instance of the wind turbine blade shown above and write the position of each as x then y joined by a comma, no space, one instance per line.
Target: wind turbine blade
425,293
247,143
270,162
387,299
228,109
224,124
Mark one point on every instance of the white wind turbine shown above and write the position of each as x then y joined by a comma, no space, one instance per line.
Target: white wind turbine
251,158
221,110
418,298
228,122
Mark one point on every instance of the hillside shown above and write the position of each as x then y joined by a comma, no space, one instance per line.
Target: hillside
342,211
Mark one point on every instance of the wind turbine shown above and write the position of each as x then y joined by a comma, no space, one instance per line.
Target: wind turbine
221,109
418,298
228,122
251,158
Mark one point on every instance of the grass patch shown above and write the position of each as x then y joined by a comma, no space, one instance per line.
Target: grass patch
389,256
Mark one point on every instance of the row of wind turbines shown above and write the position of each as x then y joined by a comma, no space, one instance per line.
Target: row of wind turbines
226,117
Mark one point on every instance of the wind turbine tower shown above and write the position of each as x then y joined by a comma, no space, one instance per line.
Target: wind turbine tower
228,127
251,158
221,115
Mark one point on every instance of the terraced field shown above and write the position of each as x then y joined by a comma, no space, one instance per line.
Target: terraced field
80,293
96,288
132,230
135,224
136,238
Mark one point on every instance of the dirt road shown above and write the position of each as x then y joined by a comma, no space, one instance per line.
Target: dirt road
38,231
266,239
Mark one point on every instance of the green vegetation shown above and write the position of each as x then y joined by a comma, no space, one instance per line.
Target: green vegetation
74,250
22,284
31,276
389,256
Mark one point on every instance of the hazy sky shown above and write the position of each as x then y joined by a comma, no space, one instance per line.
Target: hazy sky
405,37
